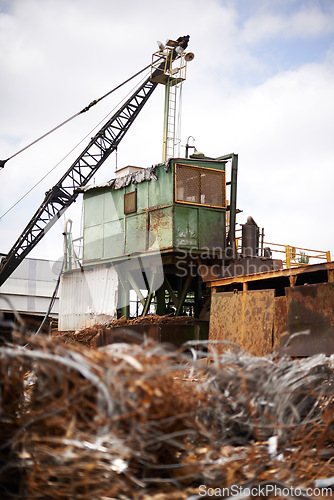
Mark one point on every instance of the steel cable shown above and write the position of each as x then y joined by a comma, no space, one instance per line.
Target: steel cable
90,105
64,157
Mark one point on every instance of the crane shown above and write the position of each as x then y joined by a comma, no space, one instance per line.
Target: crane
65,192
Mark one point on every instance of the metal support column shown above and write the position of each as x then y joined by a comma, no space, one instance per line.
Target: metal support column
233,201
161,304
124,298
183,295
136,288
170,290
150,292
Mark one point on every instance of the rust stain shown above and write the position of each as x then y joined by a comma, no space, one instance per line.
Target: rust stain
161,227
311,318
243,318
280,318
318,298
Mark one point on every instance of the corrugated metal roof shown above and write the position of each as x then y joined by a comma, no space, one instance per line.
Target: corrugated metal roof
146,174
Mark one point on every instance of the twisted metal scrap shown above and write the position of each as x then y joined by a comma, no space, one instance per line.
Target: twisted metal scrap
255,398
135,420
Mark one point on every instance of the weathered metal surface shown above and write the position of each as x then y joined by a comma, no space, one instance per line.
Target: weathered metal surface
135,233
112,231
244,269
133,177
243,318
173,334
212,229
161,228
186,226
280,317
93,243
310,320
315,273
113,239
87,298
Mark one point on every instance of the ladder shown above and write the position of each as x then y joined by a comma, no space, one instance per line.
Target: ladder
171,122
171,127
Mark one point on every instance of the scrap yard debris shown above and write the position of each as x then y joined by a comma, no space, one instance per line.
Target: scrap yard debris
151,422
87,336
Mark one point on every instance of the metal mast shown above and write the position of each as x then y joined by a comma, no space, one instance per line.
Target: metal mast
171,73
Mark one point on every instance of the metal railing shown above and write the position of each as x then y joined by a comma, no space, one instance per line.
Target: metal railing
73,248
293,256
290,255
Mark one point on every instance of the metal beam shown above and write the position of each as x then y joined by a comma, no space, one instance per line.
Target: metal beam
274,274
175,300
150,292
136,288
184,292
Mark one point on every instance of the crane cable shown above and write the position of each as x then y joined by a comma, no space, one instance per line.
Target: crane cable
67,154
3,162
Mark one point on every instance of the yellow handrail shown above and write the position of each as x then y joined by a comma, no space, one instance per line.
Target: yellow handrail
297,256
294,256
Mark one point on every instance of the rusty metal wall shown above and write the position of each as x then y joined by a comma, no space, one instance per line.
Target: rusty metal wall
301,323
310,320
244,318
280,316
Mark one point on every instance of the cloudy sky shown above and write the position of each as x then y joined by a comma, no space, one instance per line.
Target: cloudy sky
261,85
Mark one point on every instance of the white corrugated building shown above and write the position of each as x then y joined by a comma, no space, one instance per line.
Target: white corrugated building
28,291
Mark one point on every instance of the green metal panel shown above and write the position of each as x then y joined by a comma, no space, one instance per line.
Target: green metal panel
161,228
113,204
128,189
185,226
114,236
93,242
142,196
160,192
93,213
135,229
211,228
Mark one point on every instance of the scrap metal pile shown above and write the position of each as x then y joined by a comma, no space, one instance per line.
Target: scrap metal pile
148,422
88,335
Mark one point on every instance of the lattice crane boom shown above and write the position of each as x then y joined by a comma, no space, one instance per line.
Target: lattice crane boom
65,192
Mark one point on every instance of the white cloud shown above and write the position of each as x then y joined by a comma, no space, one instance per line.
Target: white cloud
282,131
56,56
304,21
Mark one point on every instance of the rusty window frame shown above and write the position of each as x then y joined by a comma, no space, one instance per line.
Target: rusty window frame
197,173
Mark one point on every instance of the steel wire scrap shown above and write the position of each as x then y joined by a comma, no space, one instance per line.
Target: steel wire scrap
147,421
